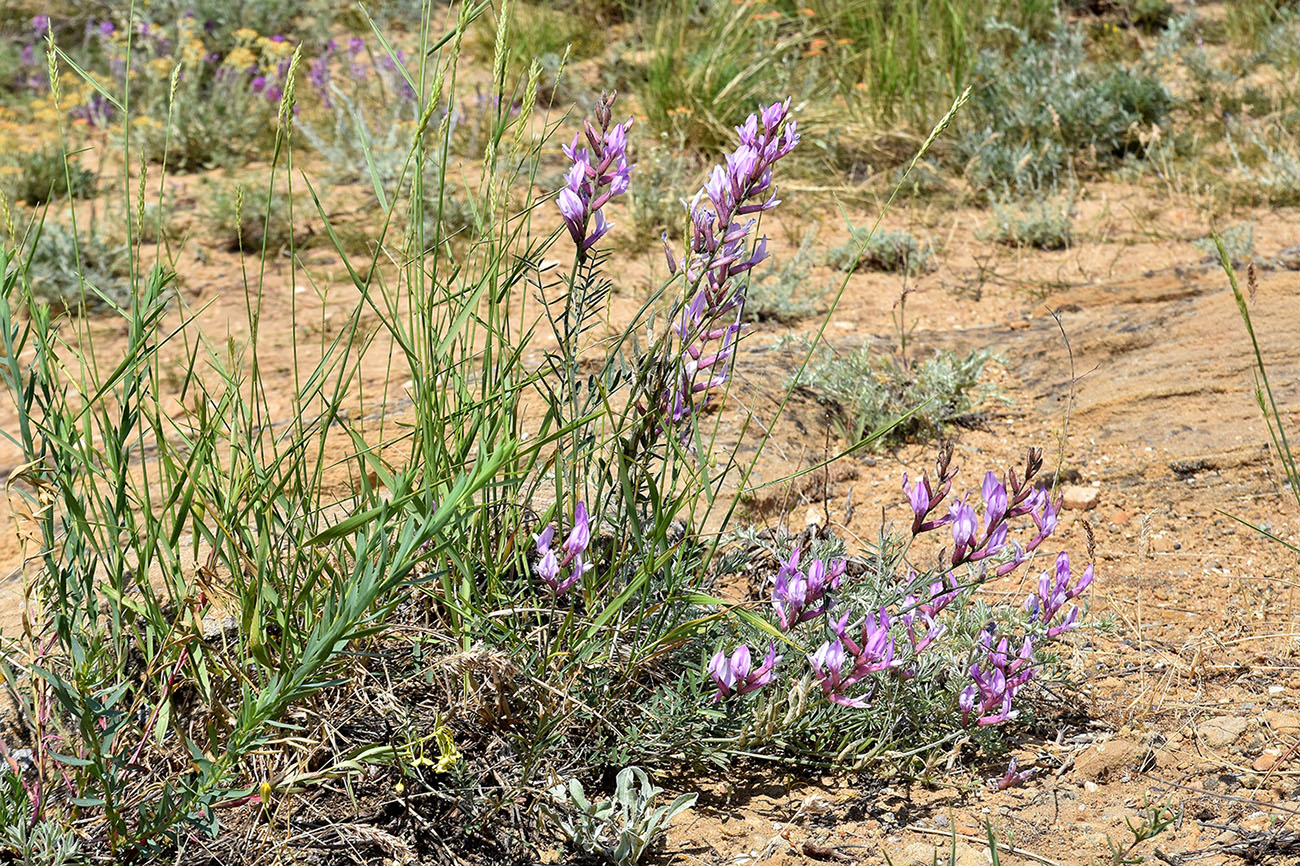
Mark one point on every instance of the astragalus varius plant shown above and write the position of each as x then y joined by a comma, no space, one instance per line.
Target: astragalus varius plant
903,654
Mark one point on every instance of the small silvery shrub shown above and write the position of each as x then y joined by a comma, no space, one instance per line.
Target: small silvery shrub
1045,224
662,166
369,113
1238,241
896,251
870,391
37,176
1042,103
244,219
622,828
45,844
66,269
786,292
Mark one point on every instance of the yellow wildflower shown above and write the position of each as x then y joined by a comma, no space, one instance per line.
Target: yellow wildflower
240,58
194,51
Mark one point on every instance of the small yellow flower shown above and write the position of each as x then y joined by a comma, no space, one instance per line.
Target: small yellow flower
243,34
194,51
240,58
162,66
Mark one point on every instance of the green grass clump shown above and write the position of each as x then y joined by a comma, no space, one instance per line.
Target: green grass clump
896,251
869,390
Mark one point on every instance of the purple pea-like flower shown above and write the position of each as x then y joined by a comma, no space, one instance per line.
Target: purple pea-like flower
995,500
106,29
735,674
1014,776
41,24
1045,518
598,172
912,611
551,567
997,677
965,526
1052,595
828,665
795,594
874,652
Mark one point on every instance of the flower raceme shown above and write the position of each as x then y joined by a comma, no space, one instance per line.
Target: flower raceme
718,258
795,594
552,566
997,676
1051,597
1004,500
595,175
736,675
841,663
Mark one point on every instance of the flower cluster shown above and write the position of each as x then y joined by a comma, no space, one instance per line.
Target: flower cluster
718,257
1004,501
997,676
795,594
561,570
942,593
1052,596
841,663
595,176
736,675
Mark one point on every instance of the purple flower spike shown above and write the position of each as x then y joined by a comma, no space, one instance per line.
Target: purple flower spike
733,675
595,176
40,24
718,256
1052,595
550,566
795,594
997,677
